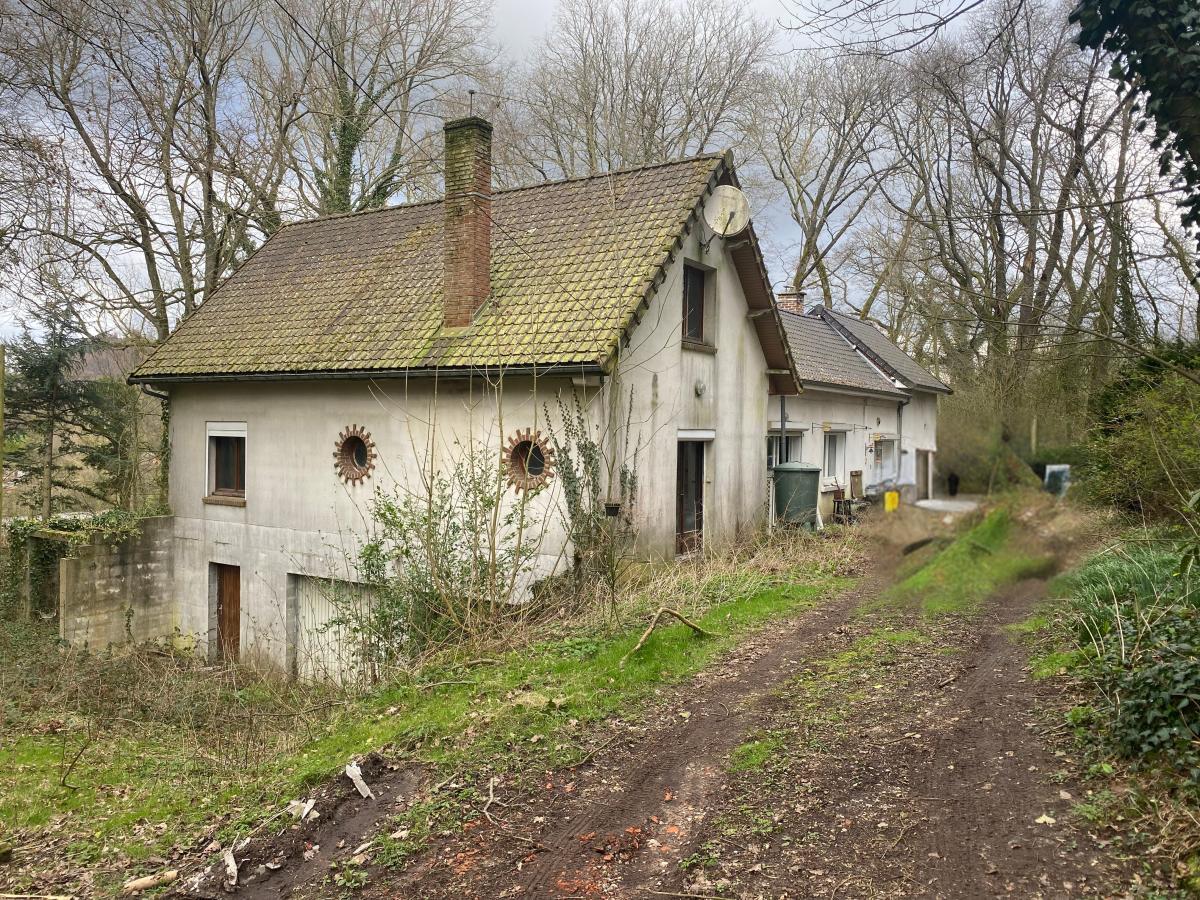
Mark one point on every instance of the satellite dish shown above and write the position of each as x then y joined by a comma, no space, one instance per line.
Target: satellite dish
727,211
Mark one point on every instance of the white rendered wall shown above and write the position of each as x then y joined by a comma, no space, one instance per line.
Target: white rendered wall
300,518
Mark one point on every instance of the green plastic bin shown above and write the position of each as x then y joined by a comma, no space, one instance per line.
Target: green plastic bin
797,486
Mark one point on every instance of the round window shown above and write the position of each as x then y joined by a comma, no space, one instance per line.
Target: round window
354,457
528,460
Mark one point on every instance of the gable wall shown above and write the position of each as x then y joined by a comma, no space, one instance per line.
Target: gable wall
664,376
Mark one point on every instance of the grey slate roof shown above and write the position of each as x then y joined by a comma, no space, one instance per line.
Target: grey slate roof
887,355
823,357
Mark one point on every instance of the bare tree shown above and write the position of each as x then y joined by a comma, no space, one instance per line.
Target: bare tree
636,82
821,128
1018,238
139,104
369,75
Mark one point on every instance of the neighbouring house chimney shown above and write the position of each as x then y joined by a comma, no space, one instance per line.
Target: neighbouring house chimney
467,278
792,301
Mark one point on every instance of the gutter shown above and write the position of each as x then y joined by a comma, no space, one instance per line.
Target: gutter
561,370
851,391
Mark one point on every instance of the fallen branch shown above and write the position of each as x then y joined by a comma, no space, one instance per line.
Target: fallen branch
896,843
500,824
663,611
37,897
591,754
137,885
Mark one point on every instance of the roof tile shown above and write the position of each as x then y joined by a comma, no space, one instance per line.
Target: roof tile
571,260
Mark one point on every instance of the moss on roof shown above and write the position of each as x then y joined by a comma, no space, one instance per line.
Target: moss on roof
571,261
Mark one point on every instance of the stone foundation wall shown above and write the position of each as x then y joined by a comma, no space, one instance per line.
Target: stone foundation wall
112,594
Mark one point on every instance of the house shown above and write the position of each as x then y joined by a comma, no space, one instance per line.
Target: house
867,414
358,352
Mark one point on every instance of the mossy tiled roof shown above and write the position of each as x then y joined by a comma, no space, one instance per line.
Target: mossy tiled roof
571,262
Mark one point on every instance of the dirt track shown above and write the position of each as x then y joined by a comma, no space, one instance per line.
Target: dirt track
919,768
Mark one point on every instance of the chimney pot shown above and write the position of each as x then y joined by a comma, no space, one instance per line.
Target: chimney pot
467,279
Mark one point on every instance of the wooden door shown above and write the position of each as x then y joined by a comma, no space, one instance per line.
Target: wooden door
689,504
923,475
229,611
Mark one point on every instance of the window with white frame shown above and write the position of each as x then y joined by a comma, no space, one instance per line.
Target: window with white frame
835,455
779,452
227,459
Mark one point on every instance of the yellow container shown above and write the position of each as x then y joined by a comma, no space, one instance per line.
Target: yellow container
891,501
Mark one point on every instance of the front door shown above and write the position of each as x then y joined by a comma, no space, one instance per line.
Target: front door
229,611
689,504
923,475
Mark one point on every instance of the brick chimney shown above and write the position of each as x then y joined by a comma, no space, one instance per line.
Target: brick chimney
792,301
468,210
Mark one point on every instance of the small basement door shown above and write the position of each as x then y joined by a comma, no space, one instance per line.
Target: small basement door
689,504
229,611
325,644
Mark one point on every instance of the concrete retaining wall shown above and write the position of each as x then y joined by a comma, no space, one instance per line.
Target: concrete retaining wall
112,594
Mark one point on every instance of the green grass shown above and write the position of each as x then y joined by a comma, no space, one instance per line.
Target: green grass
962,575
1054,662
753,755
124,780
581,689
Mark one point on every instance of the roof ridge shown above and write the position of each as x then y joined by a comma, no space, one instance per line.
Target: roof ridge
882,363
628,170
715,155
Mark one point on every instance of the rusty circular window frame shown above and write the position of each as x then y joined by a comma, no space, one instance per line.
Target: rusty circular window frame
347,467
514,457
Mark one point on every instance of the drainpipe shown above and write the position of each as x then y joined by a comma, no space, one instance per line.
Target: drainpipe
900,438
157,395
782,426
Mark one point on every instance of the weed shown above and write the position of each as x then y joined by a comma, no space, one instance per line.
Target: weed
706,857
349,877
1101,808
754,755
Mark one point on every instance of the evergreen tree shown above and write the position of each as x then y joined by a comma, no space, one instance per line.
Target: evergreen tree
47,401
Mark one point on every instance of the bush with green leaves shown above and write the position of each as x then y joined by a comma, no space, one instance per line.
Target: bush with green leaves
1155,688
1137,619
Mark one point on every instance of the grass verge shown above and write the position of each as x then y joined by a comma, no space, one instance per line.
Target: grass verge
963,574
1119,637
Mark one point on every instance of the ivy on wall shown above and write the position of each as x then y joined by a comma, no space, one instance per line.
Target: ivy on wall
35,547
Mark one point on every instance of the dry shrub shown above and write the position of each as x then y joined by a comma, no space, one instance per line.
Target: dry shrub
217,716
759,561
